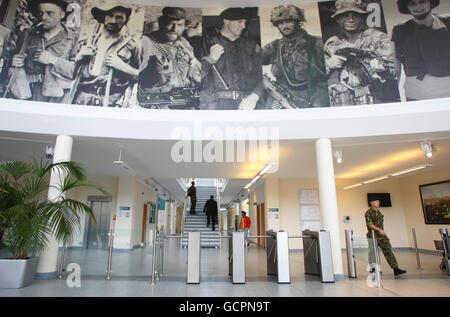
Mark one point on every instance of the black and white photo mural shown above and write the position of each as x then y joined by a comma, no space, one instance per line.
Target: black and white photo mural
304,55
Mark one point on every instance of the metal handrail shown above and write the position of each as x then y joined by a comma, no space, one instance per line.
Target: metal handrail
419,266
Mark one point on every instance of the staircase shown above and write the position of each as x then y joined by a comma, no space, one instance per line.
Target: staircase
197,222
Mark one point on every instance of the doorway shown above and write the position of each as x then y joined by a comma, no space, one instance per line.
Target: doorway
261,224
96,235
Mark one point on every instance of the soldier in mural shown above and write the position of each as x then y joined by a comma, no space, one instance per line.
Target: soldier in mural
297,62
422,46
171,74
359,60
108,62
231,65
36,69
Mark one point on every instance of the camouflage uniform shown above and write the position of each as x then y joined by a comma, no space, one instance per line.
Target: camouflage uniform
301,60
376,218
357,81
370,40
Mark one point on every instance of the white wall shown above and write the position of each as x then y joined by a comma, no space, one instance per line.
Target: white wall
413,207
405,213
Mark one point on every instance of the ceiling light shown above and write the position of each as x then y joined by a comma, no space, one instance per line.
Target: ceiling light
338,155
356,185
412,169
427,148
375,179
265,169
121,163
256,178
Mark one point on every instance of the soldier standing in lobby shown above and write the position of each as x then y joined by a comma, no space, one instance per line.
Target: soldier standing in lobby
359,60
107,63
231,65
422,46
375,221
297,60
37,68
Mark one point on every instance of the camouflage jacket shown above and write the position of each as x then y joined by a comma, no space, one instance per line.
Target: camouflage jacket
301,57
376,218
371,40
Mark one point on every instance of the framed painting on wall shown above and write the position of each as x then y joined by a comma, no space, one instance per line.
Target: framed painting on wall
436,202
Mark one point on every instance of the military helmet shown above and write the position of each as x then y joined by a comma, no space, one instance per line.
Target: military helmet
343,6
403,5
288,12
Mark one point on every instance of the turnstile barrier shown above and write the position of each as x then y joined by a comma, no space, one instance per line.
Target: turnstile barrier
351,264
317,254
278,256
193,256
237,265
193,261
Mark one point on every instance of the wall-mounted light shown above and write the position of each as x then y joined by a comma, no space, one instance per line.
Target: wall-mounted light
338,155
427,148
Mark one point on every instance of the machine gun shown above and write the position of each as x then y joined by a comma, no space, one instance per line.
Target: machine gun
358,62
359,54
283,99
177,98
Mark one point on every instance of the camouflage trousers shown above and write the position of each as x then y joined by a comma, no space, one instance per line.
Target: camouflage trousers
386,248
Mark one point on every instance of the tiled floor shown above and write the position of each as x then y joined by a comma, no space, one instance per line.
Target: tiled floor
131,277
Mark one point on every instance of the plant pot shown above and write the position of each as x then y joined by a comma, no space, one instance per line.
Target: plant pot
17,273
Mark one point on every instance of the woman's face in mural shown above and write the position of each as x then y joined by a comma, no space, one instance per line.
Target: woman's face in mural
350,21
419,8
287,27
49,15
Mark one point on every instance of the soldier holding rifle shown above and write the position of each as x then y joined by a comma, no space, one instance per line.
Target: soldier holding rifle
107,65
297,61
359,60
37,69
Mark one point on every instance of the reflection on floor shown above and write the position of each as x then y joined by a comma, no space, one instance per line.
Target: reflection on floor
131,276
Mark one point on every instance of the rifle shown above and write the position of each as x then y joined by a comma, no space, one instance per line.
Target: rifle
77,79
278,93
25,89
178,98
358,54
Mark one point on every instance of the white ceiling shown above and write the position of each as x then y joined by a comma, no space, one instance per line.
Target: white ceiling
363,158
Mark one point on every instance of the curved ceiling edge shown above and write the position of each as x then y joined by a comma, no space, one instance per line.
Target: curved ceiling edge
381,119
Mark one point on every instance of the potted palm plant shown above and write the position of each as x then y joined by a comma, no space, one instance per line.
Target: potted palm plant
28,217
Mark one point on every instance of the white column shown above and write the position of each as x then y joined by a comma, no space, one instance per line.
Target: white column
49,257
328,202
